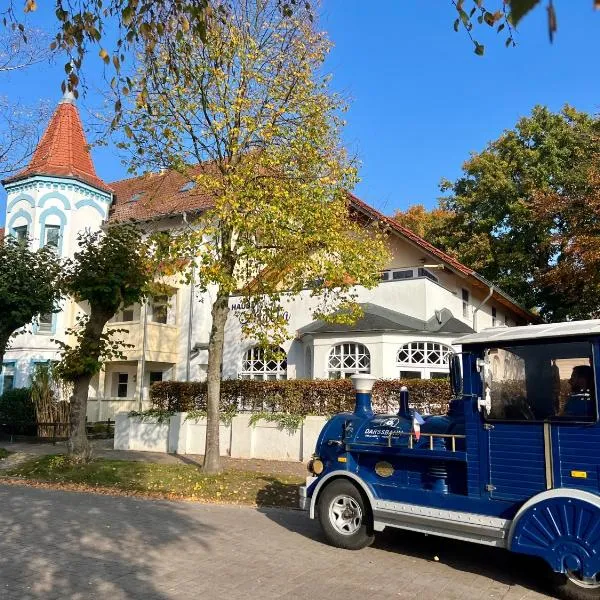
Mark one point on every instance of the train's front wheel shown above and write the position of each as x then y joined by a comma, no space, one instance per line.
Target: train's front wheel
344,516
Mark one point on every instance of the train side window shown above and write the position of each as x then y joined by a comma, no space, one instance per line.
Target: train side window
536,382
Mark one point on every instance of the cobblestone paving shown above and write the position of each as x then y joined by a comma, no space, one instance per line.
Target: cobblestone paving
77,546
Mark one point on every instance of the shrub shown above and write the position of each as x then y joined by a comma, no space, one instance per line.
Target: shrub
299,396
17,412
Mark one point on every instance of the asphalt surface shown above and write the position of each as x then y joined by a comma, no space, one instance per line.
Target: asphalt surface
79,546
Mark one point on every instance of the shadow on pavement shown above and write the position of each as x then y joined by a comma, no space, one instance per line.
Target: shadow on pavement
277,493
494,563
56,544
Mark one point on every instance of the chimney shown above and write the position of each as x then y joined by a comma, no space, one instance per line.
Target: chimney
404,409
363,384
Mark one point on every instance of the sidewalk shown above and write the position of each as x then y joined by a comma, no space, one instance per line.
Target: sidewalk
103,449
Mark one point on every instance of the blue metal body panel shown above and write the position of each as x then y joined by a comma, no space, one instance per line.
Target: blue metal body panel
576,448
517,467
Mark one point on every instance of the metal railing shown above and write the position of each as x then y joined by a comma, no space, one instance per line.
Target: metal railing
412,436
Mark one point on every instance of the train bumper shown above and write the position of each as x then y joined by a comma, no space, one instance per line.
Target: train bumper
303,499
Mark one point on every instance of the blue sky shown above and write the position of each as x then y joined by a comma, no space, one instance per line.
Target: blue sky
420,99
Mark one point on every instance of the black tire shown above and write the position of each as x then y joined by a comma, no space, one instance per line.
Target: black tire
567,589
343,497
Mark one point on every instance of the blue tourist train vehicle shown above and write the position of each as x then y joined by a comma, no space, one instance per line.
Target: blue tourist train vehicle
515,462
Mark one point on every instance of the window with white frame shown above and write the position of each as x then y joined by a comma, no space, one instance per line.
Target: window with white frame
8,377
407,273
45,323
52,236
124,315
21,233
159,309
465,303
347,359
423,360
264,365
121,384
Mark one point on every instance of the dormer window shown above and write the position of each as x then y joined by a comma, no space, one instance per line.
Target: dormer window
186,187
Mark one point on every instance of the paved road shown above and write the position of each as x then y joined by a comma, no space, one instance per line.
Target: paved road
79,546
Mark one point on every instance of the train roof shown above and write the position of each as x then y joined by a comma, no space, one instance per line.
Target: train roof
499,335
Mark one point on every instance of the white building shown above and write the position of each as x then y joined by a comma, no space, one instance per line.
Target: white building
425,299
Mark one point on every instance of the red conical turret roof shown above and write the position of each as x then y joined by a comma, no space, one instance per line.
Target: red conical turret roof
63,151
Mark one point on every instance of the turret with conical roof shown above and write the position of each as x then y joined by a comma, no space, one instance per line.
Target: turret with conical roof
59,193
63,150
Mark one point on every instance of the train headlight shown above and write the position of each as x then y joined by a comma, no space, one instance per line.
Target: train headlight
316,466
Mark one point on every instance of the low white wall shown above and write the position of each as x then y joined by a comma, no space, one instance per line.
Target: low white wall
107,408
239,439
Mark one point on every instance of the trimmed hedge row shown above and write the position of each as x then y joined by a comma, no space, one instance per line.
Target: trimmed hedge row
17,412
299,396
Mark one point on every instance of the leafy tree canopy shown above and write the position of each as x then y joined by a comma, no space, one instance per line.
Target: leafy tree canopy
248,116
110,270
524,213
28,286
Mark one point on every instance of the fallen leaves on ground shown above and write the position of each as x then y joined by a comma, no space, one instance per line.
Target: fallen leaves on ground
185,482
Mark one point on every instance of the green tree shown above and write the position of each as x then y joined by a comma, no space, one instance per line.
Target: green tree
110,270
429,224
28,286
251,107
514,213
571,283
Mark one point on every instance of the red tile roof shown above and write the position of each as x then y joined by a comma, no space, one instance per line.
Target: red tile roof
63,151
156,195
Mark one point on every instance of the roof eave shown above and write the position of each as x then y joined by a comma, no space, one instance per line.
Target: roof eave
21,176
464,271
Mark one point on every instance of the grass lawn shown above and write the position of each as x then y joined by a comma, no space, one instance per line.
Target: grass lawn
163,481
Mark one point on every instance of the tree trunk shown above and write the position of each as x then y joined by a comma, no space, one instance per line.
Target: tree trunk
212,456
89,349
78,445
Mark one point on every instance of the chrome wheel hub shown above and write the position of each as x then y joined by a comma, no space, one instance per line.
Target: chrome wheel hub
345,515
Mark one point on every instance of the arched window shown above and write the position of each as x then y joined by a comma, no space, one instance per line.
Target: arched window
423,360
264,365
348,358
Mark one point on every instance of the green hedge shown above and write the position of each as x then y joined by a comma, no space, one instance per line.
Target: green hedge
300,396
17,412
